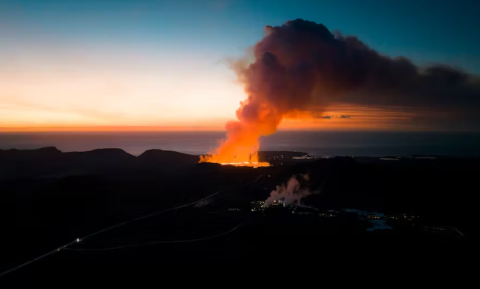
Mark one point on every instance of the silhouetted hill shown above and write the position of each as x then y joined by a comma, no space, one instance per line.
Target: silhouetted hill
29,155
103,160
51,162
25,163
166,159
101,155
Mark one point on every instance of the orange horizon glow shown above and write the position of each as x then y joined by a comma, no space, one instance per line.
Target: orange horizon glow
359,118
108,128
99,93
122,92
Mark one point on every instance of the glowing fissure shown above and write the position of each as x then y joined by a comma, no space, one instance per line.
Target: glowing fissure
248,164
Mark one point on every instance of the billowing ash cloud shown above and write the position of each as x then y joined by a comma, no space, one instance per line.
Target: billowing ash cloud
302,66
291,192
302,63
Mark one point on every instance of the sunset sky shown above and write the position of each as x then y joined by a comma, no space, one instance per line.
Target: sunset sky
162,65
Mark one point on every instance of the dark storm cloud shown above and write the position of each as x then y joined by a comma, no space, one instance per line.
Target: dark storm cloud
301,64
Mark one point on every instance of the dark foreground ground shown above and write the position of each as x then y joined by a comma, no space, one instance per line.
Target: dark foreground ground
51,198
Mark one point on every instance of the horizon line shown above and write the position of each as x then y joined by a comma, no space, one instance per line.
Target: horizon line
139,129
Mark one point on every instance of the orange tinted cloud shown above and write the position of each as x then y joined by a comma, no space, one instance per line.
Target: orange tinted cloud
355,117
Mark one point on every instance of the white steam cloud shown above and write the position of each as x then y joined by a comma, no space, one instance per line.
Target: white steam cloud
290,192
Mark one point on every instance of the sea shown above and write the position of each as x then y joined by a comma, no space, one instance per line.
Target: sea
315,143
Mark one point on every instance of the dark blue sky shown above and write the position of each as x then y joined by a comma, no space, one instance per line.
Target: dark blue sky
425,31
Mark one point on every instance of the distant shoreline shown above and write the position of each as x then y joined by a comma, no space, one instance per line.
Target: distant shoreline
377,144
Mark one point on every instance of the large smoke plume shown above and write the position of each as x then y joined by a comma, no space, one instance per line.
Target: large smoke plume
302,66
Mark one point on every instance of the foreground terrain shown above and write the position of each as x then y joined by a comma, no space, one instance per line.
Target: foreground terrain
132,213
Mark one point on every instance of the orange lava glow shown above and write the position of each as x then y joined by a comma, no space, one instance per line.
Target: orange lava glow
241,145
235,154
247,164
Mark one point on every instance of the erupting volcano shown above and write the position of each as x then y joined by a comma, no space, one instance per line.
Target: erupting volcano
302,67
280,80
272,91
242,143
